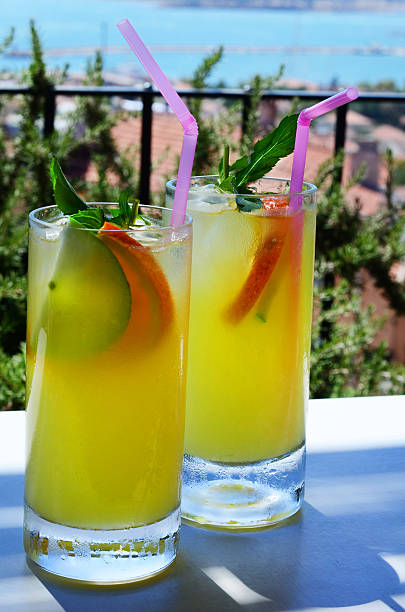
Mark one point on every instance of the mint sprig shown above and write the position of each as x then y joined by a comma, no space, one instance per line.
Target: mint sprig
128,213
71,204
65,196
266,153
92,218
248,204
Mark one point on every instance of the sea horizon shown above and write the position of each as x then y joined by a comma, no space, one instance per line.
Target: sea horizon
320,48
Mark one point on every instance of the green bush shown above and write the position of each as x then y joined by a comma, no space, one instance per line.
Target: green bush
346,360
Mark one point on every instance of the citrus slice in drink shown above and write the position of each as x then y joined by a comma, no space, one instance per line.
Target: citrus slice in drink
264,262
88,300
152,301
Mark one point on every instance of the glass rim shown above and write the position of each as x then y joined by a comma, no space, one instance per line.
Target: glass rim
188,220
309,191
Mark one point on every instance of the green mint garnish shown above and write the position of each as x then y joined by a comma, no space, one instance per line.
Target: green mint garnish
66,197
93,218
70,203
248,204
128,215
125,215
223,166
266,153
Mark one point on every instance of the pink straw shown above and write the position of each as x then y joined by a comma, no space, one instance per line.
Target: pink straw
181,111
301,138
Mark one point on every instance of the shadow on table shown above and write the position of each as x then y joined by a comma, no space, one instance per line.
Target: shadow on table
341,550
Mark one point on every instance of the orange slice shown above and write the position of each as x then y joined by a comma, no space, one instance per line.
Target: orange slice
264,262
152,308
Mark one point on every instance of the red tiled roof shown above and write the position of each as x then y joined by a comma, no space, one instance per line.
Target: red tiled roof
167,136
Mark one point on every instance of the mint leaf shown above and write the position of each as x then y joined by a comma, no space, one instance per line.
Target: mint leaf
134,212
65,196
223,166
266,153
228,185
246,204
125,209
144,219
92,218
221,171
224,169
127,215
239,164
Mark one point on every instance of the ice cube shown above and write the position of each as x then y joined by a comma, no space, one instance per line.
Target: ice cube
206,198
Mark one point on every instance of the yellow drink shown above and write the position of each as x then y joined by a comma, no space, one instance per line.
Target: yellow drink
247,384
250,318
105,417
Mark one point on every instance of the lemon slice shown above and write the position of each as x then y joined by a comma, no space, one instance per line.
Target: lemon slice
88,300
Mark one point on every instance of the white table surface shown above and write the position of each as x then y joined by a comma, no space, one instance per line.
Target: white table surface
345,550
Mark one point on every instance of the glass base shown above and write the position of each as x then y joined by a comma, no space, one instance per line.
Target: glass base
249,495
101,556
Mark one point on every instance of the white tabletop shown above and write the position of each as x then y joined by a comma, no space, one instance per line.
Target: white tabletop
345,549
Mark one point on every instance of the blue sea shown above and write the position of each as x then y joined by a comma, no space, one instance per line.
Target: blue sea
321,47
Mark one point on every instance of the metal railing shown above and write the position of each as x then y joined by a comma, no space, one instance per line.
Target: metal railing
147,95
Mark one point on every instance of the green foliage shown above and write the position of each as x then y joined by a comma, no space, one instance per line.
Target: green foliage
7,41
348,363
12,379
346,360
213,131
217,131
255,87
348,242
114,170
397,173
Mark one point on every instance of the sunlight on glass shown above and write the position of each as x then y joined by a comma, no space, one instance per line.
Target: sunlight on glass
368,493
235,588
11,516
12,443
397,562
371,606
399,599
26,590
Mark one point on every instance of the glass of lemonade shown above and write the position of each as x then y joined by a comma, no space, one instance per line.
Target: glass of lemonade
107,334
250,321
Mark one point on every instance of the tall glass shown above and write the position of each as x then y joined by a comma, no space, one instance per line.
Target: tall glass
107,329
250,320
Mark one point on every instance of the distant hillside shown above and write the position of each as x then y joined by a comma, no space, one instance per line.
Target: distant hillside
316,5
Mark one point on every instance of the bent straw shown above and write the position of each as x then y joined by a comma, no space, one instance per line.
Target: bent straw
301,138
181,111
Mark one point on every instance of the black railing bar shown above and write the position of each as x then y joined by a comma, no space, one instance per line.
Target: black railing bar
49,111
227,93
139,92
14,89
340,134
146,146
289,93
